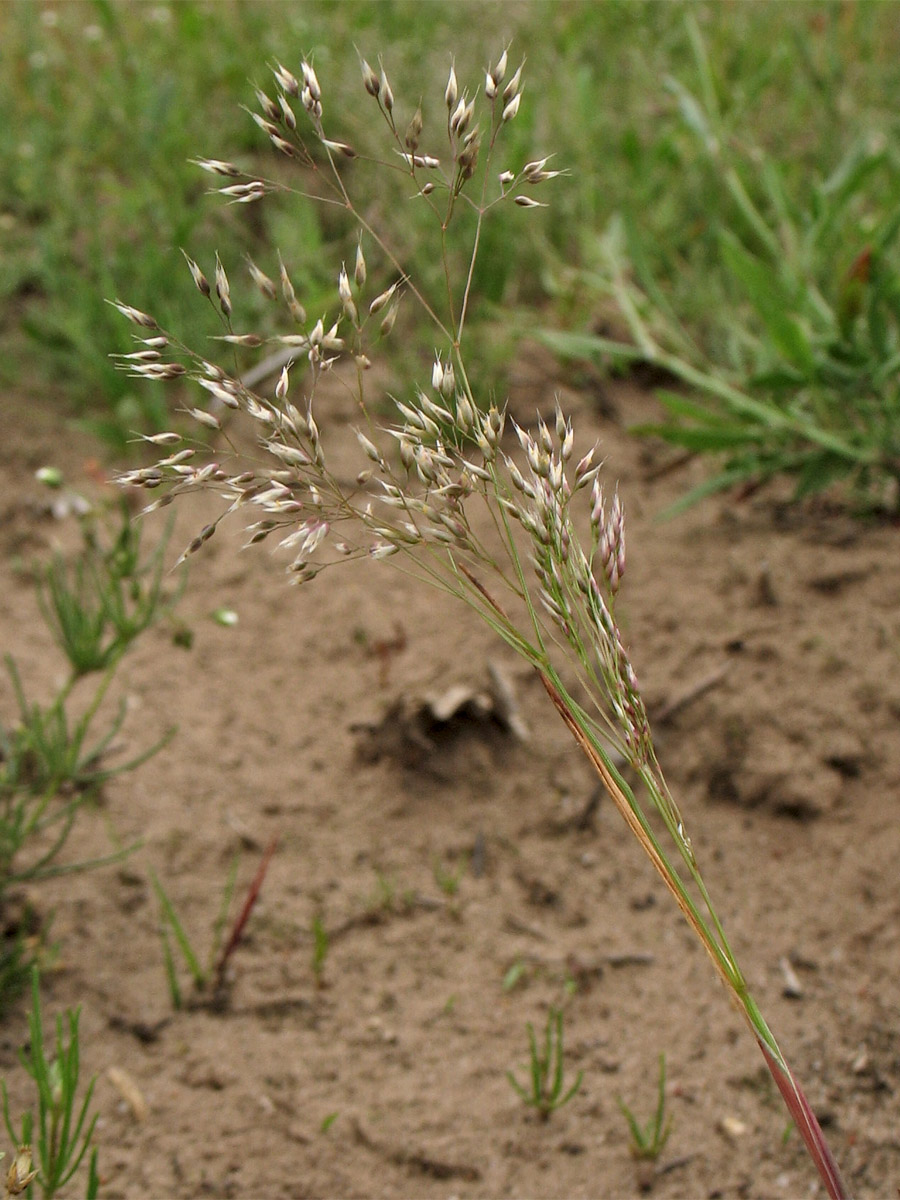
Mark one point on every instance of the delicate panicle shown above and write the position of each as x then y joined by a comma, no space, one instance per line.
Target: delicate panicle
444,453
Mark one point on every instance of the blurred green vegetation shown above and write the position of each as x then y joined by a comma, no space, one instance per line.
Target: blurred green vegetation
112,99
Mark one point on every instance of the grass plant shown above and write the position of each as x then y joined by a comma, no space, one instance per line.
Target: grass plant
96,605
546,1091
546,575
794,368
52,758
647,1141
209,978
447,878
52,1147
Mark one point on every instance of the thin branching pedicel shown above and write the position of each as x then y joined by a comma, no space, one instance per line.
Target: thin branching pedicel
551,594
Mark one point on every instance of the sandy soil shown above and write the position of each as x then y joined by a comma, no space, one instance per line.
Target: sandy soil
768,644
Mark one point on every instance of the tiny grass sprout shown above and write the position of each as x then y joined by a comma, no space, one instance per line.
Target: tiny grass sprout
514,975
647,1141
546,579
545,1091
447,879
62,1130
328,1121
384,898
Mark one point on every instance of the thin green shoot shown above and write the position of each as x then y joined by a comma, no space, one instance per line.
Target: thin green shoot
447,879
647,1141
208,979
545,1090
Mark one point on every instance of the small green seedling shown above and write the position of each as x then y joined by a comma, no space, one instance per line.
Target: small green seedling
98,605
647,1141
449,880
62,1132
515,974
545,1088
209,979
47,752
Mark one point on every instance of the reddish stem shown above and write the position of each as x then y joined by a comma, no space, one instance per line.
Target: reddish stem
807,1124
244,915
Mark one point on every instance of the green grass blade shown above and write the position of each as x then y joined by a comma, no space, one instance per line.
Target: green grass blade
190,958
